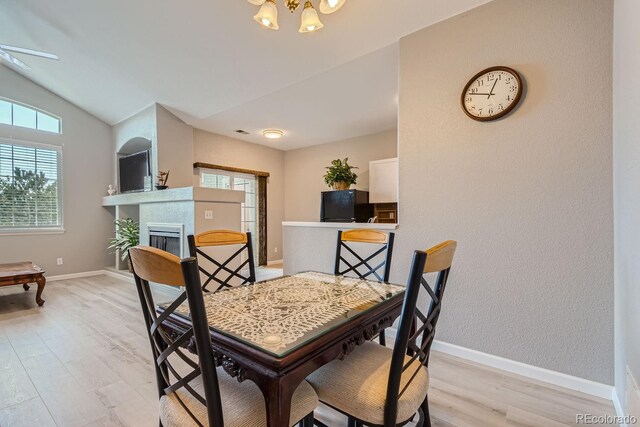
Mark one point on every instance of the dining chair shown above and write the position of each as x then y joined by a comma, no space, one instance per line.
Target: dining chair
224,272
360,265
379,386
203,395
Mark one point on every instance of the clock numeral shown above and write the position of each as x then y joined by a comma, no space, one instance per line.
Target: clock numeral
500,107
473,90
490,111
469,99
512,89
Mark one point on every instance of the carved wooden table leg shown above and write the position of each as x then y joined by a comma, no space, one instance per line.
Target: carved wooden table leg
25,287
41,281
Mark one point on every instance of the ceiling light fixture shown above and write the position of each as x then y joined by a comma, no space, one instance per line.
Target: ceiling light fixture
310,21
330,6
273,133
268,15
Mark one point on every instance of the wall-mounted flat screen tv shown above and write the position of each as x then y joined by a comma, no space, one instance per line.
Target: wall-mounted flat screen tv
134,170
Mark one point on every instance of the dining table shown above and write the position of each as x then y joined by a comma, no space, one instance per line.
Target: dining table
277,332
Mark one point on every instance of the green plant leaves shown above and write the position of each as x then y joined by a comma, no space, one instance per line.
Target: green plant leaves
340,171
127,236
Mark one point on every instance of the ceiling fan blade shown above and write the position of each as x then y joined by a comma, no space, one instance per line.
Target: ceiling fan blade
29,52
13,61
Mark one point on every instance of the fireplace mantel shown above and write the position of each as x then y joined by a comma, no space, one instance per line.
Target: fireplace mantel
195,209
182,194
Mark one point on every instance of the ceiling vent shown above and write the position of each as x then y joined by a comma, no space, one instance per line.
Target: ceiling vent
243,132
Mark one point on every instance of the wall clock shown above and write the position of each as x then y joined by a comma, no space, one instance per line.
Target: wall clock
491,94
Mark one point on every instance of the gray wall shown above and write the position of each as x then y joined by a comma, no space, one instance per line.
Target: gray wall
87,171
529,197
222,150
305,167
626,152
175,148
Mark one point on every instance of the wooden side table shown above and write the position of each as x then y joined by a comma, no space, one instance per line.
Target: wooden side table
23,273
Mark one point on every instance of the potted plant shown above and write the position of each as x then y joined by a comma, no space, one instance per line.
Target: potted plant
340,175
127,236
163,177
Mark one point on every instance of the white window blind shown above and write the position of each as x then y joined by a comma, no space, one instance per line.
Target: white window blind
30,186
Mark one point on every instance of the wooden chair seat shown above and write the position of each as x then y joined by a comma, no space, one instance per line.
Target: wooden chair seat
242,404
357,385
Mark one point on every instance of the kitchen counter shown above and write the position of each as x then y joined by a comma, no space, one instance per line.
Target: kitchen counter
311,246
340,225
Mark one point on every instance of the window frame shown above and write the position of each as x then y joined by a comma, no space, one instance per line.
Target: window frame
36,110
35,230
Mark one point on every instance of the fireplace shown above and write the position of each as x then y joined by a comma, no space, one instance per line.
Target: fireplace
167,237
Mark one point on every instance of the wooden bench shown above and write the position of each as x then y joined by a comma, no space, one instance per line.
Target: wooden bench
23,273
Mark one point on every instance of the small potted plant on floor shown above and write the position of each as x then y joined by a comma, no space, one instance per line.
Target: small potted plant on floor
339,175
127,236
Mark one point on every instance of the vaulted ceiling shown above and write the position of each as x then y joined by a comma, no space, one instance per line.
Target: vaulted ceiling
213,66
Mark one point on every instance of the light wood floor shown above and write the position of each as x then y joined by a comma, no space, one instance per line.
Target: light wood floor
83,359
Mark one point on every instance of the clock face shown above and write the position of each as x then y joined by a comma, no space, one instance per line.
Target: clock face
492,93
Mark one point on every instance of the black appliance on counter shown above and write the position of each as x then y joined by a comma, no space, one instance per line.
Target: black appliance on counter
345,206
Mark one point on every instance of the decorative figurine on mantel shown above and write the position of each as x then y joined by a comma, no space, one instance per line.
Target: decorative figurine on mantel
110,190
163,177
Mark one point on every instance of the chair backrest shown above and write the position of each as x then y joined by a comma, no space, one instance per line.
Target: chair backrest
224,271
361,265
154,265
417,326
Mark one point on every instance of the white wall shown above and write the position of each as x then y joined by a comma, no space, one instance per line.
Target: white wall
222,150
528,197
87,171
305,168
626,152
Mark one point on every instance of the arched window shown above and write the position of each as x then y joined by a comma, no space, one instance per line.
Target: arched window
15,114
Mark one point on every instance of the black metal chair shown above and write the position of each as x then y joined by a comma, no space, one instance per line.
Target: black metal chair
360,265
200,396
226,269
378,386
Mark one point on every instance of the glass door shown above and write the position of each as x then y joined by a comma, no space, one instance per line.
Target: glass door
226,180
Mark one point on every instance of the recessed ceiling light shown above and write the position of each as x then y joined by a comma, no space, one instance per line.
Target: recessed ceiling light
272,133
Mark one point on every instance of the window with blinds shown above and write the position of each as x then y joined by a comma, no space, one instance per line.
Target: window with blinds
30,187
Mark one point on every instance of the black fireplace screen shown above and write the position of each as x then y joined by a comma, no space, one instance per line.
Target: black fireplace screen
166,243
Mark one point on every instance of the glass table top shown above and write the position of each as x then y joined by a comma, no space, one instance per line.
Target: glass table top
280,315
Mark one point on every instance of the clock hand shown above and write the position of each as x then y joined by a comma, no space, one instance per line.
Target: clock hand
492,87
477,93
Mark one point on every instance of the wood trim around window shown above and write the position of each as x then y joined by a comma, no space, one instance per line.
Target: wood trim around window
231,169
261,193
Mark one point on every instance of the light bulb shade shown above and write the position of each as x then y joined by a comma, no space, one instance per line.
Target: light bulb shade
259,2
330,6
273,133
310,20
268,15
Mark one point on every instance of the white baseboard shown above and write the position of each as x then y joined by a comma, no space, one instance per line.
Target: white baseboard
633,395
275,261
75,275
618,406
117,275
534,372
